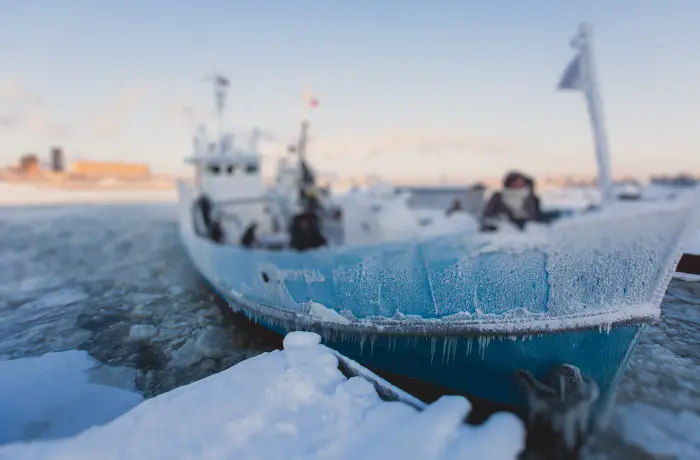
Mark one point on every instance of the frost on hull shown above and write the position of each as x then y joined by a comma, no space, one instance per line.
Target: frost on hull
577,275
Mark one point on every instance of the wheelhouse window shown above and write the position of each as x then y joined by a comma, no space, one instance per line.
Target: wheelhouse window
231,170
252,168
212,170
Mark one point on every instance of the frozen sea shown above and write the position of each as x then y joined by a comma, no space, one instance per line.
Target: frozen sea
113,280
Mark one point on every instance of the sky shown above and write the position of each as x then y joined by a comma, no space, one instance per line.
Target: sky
452,89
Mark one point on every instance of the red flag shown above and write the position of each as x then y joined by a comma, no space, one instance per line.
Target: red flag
313,102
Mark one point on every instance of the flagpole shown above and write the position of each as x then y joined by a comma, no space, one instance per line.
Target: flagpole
595,112
304,128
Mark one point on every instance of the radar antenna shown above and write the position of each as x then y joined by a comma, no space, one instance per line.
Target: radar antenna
221,85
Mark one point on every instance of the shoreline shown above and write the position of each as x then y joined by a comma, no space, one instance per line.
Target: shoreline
164,184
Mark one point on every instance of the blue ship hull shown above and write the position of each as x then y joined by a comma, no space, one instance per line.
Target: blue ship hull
467,312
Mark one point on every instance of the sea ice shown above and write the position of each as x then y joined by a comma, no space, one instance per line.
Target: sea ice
142,332
57,395
288,404
660,432
16,195
213,342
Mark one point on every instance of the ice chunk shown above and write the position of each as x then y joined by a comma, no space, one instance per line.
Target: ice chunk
186,355
213,342
142,332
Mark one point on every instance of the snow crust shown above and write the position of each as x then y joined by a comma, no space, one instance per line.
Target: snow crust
288,404
58,395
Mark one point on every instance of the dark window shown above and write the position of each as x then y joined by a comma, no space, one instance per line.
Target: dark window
213,170
231,169
251,168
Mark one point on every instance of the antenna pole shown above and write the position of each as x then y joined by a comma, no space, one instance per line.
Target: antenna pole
594,102
221,86
254,140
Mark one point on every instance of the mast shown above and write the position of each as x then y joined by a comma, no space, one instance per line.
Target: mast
581,75
303,136
308,102
254,140
594,101
221,86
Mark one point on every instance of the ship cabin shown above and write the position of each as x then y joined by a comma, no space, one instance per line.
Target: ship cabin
230,180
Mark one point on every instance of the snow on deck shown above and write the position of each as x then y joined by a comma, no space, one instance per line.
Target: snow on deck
288,404
694,246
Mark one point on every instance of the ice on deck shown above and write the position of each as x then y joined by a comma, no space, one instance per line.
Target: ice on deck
693,246
288,404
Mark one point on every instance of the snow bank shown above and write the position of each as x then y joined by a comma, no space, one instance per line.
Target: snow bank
289,404
58,395
24,195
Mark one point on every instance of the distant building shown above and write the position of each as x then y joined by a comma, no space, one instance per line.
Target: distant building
57,160
113,170
29,164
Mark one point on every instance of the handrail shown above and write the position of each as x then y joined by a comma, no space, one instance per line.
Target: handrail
245,201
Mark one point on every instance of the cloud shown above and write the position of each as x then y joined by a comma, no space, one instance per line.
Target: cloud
409,141
8,120
23,109
41,122
14,93
111,119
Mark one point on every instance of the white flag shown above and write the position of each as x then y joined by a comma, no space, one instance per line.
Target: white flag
571,79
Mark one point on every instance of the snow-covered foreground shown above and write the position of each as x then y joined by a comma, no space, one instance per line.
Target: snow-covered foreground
288,404
60,394
26,195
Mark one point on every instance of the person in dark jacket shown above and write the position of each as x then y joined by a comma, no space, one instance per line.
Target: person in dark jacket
305,232
212,227
456,206
249,238
516,202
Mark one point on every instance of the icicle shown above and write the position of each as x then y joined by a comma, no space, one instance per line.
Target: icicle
444,348
362,343
469,346
483,342
433,340
455,344
372,338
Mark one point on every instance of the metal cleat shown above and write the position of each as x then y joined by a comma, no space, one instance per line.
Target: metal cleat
559,411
